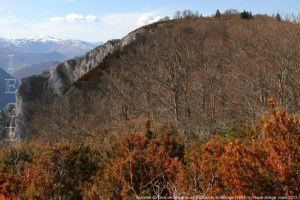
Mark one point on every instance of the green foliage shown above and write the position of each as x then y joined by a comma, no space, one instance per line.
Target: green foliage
218,14
278,17
73,165
246,15
240,129
13,159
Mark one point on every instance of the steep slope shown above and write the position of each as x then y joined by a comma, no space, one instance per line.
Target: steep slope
200,74
36,91
35,69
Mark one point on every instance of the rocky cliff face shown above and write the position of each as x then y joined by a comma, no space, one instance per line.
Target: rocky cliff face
40,89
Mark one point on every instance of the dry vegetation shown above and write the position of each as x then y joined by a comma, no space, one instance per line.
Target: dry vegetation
181,112
156,162
202,75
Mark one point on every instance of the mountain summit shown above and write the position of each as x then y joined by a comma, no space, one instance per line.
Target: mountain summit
201,74
46,44
38,38
40,49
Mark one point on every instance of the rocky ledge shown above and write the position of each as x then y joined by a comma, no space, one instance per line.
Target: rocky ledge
53,83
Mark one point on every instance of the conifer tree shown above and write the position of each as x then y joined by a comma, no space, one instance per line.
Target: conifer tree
278,17
246,15
218,14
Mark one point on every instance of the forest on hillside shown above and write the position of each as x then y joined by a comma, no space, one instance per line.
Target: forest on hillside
156,162
194,108
201,74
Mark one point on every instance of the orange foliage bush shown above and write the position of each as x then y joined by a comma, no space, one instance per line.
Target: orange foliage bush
143,167
10,186
60,171
199,176
157,164
269,166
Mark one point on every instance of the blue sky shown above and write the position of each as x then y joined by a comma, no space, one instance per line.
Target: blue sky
98,20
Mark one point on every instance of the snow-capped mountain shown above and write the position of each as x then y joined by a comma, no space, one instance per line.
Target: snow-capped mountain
6,43
38,38
46,44
40,49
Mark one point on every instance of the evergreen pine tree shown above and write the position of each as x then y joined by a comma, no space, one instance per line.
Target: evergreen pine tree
246,15
218,14
278,17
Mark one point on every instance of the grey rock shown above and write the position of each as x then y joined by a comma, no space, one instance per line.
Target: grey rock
53,83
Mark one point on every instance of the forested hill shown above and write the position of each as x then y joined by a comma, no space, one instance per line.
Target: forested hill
202,74
181,109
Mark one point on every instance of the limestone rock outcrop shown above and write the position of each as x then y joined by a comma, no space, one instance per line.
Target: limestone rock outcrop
41,88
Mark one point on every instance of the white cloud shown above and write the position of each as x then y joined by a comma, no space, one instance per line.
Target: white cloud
75,18
81,18
147,18
77,26
9,21
56,19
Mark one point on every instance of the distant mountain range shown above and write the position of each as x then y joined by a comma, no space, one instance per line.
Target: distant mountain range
33,56
40,49
47,44
35,69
